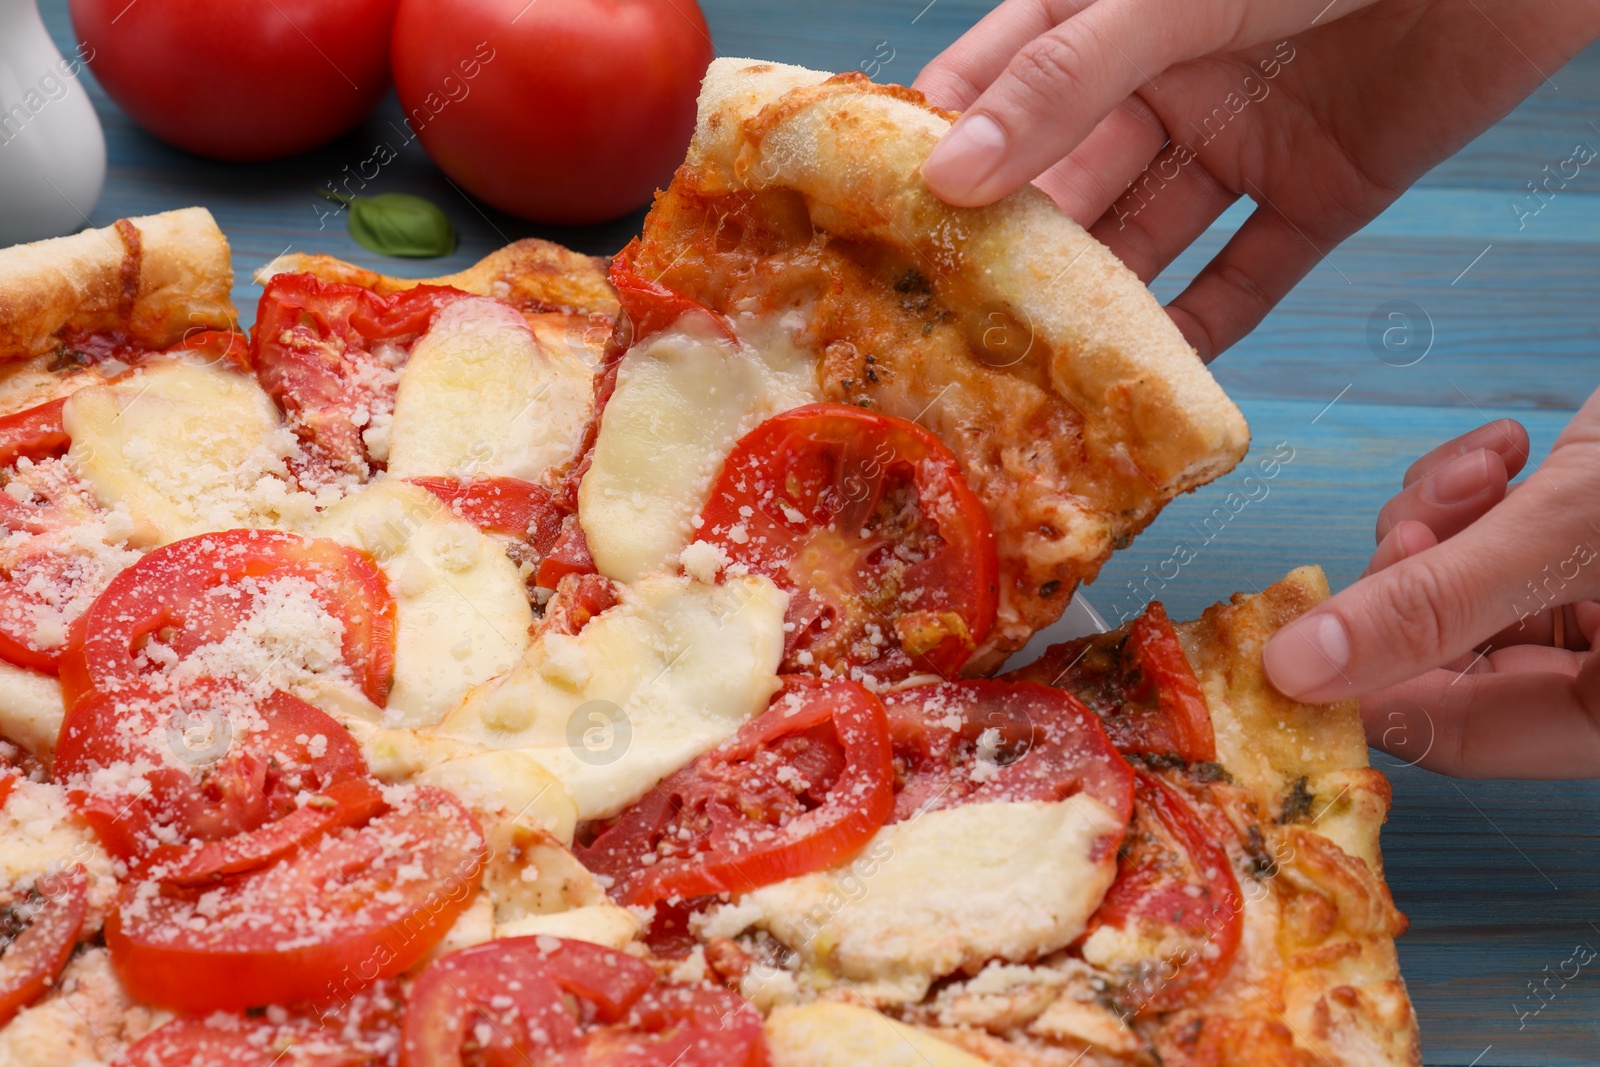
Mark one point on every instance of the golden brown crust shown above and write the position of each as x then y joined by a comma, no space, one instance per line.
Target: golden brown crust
1316,979
1086,414
1270,743
152,278
530,275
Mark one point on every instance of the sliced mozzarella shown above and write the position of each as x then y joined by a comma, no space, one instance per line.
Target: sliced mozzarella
187,448
602,924
531,874
462,612
945,891
828,1034
508,786
481,396
642,689
472,927
683,398
30,709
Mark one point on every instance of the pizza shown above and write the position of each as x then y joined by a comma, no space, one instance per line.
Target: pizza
585,661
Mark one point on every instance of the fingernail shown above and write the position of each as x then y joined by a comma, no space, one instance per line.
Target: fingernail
1497,436
966,156
1461,479
1415,537
1308,654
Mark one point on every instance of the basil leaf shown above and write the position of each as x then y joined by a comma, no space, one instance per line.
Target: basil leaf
398,224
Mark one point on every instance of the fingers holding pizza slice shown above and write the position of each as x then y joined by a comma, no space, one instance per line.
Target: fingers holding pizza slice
799,222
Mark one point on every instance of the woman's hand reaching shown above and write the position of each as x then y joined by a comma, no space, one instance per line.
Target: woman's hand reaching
1469,638
1146,119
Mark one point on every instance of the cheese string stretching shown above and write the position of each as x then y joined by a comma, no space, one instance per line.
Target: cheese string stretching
1468,638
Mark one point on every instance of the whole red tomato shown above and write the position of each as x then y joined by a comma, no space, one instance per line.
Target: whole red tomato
556,110
244,79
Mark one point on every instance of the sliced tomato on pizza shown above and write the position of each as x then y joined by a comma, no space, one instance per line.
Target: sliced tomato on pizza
578,597
533,523
366,901
985,741
53,910
172,615
34,433
558,1001
1171,923
799,788
355,1030
153,771
362,1031
253,1040
507,506
347,802
330,355
59,549
868,522
648,307
569,555
1139,683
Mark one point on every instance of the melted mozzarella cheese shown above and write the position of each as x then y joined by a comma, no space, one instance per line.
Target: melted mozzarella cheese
30,709
473,926
829,1034
602,924
945,891
1115,949
682,399
480,396
641,690
508,786
462,613
187,448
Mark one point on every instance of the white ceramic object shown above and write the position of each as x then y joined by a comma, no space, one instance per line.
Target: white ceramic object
52,150
1079,620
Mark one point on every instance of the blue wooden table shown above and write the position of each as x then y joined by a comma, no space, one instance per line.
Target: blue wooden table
1501,879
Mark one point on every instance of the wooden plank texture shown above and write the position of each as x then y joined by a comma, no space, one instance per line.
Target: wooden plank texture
1501,879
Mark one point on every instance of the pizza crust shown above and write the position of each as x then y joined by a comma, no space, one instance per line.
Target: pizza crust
1330,975
530,275
1316,979
153,278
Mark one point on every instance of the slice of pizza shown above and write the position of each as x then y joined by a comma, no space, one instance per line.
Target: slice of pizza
1071,405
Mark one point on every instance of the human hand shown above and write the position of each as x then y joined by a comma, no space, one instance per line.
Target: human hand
1146,119
1469,636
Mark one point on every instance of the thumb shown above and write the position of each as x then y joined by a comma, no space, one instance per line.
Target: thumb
1521,558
